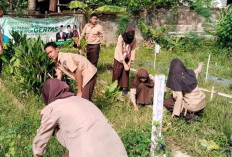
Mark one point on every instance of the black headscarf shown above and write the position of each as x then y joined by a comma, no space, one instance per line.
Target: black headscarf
54,89
129,34
180,78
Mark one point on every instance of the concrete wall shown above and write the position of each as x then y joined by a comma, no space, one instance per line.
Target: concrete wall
186,20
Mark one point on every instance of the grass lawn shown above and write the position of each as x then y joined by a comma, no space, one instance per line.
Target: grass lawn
18,127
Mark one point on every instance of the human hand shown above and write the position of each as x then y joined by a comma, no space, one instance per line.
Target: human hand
136,109
79,43
201,63
126,66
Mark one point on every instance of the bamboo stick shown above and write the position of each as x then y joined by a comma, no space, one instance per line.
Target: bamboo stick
218,93
207,71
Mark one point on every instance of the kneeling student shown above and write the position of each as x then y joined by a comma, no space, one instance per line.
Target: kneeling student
187,96
77,67
142,89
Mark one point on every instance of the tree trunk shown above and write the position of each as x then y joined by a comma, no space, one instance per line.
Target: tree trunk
31,6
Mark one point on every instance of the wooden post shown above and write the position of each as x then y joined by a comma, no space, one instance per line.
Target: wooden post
31,6
58,6
212,93
11,5
231,150
207,70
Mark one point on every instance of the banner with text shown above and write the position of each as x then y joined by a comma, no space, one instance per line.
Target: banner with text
50,29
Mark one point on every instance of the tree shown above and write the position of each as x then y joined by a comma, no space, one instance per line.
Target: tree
31,5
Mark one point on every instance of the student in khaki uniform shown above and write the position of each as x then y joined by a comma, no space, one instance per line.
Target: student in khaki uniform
124,55
94,35
76,67
186,95
76,123
1,40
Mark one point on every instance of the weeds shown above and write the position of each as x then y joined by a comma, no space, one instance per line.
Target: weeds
18,127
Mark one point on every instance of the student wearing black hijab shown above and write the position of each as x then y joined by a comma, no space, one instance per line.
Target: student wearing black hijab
185,91
123,57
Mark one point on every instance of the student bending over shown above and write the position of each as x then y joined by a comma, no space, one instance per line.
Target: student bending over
76,123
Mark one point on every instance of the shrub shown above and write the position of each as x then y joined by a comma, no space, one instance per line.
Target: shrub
27,62
224,27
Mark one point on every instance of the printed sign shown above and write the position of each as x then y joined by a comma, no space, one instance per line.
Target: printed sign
157,114
50,29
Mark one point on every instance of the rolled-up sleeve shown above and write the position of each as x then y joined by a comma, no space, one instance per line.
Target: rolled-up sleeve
119,52
45,131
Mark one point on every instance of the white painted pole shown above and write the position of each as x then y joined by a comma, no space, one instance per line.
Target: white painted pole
154,61
157,114
207,71
212,93
156,50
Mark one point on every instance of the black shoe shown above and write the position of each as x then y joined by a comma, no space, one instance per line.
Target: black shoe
124,91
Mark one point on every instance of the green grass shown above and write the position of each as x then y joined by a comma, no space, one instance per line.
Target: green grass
18,127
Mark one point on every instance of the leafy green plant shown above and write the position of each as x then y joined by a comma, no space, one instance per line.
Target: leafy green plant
224,27
137,142
202,7
110,9
146,31
160,36
77,4
27,62
122,21
112,91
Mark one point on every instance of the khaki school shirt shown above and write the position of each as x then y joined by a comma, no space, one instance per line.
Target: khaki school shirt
83,129
121,48
193,101
93,34
68,63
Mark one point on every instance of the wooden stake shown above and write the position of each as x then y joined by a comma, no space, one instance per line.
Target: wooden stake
207,71
58,6
218,93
